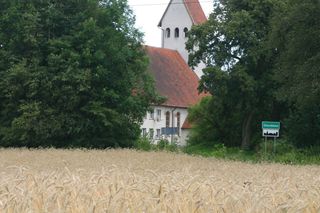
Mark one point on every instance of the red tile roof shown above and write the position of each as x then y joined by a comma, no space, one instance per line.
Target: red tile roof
173,77
186,124
194,10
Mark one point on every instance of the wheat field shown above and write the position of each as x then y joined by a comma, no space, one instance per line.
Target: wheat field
132,181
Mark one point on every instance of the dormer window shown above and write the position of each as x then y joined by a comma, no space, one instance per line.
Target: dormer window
176,32
185,30
168,32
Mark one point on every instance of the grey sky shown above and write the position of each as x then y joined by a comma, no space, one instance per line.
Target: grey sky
148,14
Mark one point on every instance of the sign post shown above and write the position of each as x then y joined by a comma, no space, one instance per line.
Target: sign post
270,129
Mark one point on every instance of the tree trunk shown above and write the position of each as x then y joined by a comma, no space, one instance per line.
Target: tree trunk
246,131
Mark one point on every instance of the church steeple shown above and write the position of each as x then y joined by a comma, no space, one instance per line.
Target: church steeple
194,10
176,21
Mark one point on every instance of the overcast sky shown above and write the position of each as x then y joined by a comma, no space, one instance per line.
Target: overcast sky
148,14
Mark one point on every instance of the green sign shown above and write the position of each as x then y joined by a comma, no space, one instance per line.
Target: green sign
270,125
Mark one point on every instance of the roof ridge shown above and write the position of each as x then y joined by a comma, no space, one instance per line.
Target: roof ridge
163,48
195,11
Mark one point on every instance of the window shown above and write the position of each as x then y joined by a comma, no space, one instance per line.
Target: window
185,30
151,132
167,119
158,114
144,132
158,133
176,32
168,32
178,122
152,114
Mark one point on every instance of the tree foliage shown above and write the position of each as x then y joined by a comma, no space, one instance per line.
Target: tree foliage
233,44
72,73
263,59
209,129
296,37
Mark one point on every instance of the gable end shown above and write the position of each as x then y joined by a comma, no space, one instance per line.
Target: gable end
194,10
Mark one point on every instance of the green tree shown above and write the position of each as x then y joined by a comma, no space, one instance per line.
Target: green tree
296,39
233,44
72,73
210,125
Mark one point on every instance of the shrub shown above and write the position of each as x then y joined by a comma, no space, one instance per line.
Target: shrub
143,143
164,144
219,150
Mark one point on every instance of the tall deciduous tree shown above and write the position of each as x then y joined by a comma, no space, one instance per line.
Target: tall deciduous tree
233,44
296,38
72,73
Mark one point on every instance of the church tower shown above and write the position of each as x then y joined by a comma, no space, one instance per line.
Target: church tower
176,21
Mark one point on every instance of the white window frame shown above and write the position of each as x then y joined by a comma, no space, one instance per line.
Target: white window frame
158,134
151,133
152,114
144,132
159,114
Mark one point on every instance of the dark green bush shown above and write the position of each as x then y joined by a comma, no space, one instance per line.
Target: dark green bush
143,143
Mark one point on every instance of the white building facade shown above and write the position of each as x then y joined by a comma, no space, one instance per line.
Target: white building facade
159,122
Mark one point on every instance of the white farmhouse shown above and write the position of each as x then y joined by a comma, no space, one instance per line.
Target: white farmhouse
174,79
